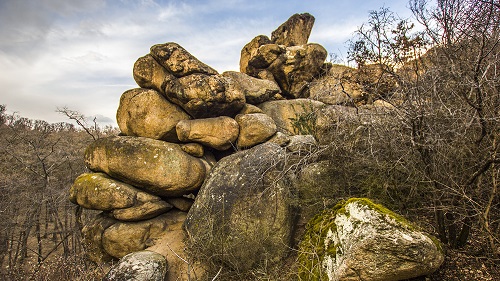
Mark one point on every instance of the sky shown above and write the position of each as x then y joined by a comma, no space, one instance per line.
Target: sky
80,54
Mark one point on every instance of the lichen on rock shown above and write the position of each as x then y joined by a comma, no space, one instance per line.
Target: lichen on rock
359,240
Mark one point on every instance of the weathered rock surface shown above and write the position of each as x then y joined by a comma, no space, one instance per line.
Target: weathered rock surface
142,211
146,113
248,52
180,265
299,65
338,87
139,266
149,74
176,60
123,238
303,144
194,149
245,207
219,132
158,167
181,203
286,58
205,96
293,117
280,139
255,128
98,191
358,240
255,90
295,31
250,108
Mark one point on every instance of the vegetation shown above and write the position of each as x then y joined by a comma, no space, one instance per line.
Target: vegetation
39,227
432,158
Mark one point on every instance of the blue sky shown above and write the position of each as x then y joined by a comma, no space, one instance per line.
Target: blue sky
80,54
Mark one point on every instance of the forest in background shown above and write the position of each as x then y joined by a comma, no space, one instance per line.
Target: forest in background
438,164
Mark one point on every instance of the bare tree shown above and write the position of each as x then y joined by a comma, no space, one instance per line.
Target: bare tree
448,100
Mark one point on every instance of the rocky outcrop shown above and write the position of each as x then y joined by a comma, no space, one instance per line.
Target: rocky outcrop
106,237
204,96
176,60
286,58
139,266
359,240
243,210
228,162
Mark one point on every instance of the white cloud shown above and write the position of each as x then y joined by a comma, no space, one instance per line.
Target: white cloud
80,54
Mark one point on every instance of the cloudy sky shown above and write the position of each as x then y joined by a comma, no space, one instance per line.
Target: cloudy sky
80,53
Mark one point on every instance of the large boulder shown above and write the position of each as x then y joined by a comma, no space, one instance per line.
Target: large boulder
178,61
98,191
255,90
123,238
219,132
146,113
139,266
243,215
204,96
359,240
255,128
295,31
158,167
293,117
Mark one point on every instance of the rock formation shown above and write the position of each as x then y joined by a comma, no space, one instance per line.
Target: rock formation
214,158
286,58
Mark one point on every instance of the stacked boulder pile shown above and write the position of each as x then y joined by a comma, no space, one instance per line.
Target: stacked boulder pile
208,156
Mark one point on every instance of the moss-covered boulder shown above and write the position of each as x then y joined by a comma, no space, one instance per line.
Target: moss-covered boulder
242,216
359,240
158,167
